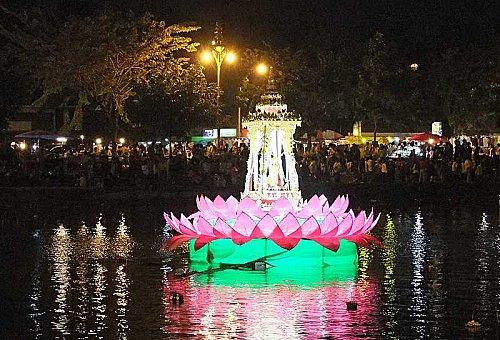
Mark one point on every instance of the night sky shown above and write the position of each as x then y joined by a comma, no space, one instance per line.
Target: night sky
420,28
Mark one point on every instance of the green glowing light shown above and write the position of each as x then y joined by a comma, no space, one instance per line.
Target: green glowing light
224,252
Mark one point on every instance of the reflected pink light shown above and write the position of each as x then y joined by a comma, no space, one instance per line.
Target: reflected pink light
242,221
268,311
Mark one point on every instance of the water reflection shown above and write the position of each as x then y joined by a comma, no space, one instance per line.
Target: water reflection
439,268
389,261
122,295
91,258
485,248
61,251
100,242
418,252
269,305
122,244
82,253
36,286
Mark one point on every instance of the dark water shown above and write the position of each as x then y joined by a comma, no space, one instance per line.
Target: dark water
106,277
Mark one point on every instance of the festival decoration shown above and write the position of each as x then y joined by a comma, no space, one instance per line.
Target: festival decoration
272,222
242,221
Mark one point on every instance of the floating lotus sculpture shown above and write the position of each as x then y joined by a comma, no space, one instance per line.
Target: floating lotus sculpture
271,222
243,221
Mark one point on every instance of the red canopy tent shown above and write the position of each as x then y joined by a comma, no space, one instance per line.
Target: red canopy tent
426,137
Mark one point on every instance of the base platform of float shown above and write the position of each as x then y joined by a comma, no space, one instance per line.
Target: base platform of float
307,253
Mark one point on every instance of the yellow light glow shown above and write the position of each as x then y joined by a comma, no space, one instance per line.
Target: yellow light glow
206,56
98,140
231,57
22,146
414,66
82,137
122,140
431,140
262,69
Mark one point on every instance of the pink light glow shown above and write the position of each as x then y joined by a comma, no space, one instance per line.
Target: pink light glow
242,221
267,312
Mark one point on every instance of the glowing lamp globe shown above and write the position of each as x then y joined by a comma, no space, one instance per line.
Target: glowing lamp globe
230,57
261,69
206,57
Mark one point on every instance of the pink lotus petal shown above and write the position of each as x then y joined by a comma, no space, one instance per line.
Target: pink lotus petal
313,205
280,207
250,207
176,241
289,224
239,238
345,225
170,223
175,222
329,224
267,225
202,204
336,205
201,241
281,240
222,228
194,215
186,231
345,205
244,224
323,200
210,205
185,222
331,243
232,203
257,233
375,222
368,222
310,228
358,223
220,204
204,226
305,214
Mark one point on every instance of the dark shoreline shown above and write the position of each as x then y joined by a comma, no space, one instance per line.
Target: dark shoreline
381,192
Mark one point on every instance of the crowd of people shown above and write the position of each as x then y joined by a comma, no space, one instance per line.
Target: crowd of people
406,162
184,166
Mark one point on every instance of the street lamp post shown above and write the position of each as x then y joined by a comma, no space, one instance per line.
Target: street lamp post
219,54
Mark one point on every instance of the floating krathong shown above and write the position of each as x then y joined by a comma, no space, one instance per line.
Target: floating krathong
242,221
271,222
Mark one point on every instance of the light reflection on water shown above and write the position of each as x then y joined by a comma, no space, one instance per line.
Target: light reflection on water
419,298
266,309
90,280
86,251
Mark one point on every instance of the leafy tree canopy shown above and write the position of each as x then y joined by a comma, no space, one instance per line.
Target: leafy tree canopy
102,60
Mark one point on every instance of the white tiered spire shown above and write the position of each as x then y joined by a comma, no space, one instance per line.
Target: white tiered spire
271,164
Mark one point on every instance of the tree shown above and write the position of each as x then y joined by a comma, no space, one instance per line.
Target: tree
294,77
375,100
466,83
101,60
157,112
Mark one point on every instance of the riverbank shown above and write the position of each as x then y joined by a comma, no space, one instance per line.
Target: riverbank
11,197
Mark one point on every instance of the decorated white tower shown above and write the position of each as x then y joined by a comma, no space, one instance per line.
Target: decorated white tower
271,164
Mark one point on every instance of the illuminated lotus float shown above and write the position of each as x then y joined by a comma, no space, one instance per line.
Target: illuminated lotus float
272,223
237,232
